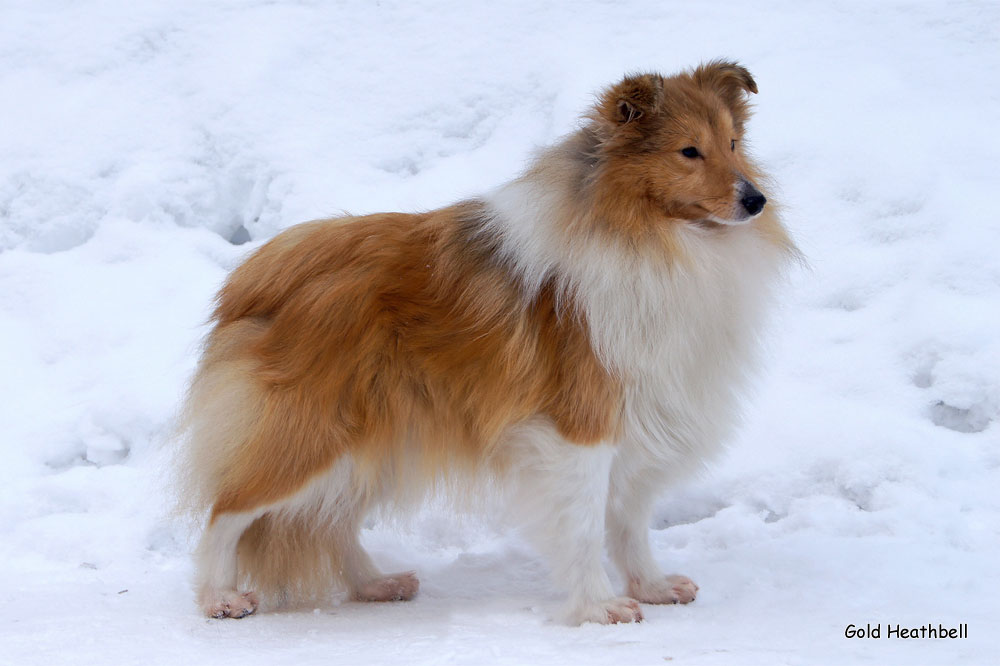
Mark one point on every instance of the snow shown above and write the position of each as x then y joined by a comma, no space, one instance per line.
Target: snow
139,138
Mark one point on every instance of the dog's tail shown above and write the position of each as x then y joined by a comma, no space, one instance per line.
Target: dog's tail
245,457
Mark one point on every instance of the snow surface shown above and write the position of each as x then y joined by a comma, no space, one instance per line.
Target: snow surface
138,139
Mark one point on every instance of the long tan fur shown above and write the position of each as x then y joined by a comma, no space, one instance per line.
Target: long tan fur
357,361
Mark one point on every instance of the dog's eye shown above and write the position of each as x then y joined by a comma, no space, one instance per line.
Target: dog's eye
732,145
690,152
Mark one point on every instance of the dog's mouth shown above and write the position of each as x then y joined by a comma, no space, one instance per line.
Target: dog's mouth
737,221
709,224
744,210
705,218
741,212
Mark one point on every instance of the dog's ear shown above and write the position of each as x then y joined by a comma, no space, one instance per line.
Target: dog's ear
728,78
629,101
731,81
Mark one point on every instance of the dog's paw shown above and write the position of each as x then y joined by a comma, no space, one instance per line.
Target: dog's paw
394,587
612,611
666,590
230,603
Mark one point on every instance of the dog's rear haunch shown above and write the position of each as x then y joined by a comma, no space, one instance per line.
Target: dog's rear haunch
579,337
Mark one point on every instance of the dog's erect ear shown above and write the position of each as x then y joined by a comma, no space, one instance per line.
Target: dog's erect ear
731,80
631,99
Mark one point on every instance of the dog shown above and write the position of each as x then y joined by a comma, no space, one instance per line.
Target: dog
579,337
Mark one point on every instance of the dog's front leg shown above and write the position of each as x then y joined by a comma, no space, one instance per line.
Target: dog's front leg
562,494
630,500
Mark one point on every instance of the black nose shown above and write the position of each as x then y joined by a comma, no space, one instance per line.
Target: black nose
754,203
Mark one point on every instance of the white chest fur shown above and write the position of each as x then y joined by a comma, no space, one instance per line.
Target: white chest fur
682,336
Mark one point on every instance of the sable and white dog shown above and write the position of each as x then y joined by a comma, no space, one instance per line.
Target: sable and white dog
582,335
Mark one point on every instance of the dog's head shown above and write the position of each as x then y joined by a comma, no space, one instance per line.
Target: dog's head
678,142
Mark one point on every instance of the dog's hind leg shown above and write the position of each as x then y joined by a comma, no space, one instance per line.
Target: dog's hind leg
307,544
217,567
338,503
364,581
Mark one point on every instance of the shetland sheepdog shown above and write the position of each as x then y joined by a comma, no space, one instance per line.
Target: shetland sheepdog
580,336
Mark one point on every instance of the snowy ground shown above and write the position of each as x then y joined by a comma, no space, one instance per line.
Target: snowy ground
138,139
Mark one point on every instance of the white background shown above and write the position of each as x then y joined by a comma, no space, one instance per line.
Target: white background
137,139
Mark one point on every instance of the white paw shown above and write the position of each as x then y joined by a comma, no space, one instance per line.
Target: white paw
612,611
229,603
666,590
394,587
